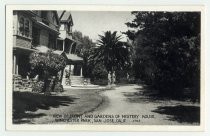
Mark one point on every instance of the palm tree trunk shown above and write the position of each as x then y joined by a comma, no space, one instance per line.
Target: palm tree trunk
111,76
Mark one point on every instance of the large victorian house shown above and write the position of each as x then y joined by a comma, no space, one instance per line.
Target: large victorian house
40,31
32,30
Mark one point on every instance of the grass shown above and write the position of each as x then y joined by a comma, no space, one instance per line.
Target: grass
28,106
26,102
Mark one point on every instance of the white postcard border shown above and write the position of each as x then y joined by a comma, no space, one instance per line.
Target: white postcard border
9,45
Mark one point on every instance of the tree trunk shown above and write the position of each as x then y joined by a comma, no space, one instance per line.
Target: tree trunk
46,88
61,76
112,76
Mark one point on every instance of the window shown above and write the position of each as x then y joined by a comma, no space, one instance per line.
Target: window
68,26
70,29
21,28
27,28
24,27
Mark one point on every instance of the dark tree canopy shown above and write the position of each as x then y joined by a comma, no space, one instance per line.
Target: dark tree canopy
167,48
85,43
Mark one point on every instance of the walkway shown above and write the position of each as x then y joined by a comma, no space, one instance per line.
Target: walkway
135,100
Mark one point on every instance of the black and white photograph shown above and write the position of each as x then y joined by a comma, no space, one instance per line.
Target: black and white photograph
118,68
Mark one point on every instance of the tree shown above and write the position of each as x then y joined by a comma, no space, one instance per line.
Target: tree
99,72
48,64
84,50
111,52
167,49
85,42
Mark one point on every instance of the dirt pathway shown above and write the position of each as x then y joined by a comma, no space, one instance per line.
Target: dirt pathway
130,100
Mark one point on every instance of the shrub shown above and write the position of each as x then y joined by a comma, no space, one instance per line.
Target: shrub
100,82
99,72
49,64
58,87
38,87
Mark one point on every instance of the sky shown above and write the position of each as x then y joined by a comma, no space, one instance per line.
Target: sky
93,23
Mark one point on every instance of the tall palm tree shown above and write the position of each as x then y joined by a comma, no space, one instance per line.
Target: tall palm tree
112,52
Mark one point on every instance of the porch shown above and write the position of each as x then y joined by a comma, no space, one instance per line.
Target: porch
72,74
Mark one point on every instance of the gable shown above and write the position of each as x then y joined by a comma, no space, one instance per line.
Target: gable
55,18
65,16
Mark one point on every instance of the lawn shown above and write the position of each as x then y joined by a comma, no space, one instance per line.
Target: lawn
32,107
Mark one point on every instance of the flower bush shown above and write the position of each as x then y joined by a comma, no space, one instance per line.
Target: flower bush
38,87
49,64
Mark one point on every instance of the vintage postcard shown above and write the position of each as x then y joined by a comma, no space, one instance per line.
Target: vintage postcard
104,68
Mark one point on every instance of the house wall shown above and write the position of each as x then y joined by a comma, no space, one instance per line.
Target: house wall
19,39
15,19
69,35
24,39
44,38
47,37
26,17
51,19
23,42
15,22
63,32
66,35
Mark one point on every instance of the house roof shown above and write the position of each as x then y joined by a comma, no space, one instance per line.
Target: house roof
34,13
23,49
46,26
65,16
57,17
74,57
70,57
59,12
42,48
58,52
